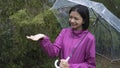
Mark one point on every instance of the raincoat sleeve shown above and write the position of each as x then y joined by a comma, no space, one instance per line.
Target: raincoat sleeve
52,49
89,58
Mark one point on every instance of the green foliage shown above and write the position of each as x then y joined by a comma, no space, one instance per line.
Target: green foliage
112,5
107,37
9,7
49,18
21,18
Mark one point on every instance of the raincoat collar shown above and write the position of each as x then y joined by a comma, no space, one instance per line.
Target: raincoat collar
77,33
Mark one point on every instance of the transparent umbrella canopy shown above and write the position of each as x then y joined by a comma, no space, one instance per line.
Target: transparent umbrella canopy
104,25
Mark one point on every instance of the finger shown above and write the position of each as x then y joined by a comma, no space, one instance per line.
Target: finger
27,37
31,37
63,61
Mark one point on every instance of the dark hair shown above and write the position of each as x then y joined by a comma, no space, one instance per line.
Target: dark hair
84,13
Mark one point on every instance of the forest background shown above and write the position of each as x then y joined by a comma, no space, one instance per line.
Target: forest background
19,18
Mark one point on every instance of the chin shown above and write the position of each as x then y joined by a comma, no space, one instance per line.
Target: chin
75,28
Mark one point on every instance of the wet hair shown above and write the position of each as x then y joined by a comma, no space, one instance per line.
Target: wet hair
84,13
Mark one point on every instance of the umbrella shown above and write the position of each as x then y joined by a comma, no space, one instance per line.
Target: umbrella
97,7
106,25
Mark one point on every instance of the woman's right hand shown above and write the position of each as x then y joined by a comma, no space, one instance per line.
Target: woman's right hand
36,37
64,63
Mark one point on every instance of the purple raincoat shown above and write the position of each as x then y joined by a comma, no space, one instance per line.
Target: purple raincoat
84,55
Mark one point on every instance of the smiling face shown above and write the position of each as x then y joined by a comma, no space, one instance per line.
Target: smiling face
75,20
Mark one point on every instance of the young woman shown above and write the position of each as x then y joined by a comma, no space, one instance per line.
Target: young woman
76,41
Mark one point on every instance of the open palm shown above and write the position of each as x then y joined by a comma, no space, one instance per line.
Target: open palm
36,37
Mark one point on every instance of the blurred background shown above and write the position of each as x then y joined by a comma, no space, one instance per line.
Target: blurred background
19,18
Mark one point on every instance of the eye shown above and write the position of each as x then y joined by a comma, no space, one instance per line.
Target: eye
76,18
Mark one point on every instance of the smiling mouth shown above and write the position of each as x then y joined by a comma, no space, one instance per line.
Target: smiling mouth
73,24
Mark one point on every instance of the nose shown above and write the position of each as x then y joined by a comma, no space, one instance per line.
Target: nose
72,20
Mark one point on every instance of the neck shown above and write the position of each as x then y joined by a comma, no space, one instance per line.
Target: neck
78,29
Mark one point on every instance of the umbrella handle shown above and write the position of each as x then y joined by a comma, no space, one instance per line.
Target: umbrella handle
56,61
